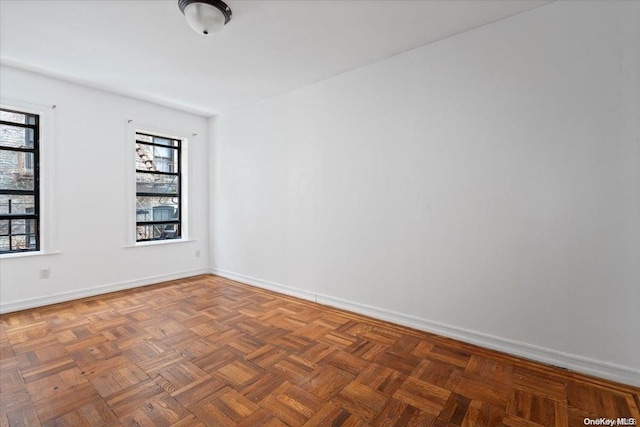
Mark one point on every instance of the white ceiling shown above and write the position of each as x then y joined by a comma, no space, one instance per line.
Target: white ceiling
145,49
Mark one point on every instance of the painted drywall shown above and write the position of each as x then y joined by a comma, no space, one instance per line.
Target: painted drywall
91,186
488,183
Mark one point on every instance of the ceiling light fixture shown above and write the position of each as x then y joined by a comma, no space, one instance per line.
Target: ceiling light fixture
205,16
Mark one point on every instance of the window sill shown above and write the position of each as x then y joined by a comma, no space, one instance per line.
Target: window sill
28,254
159,242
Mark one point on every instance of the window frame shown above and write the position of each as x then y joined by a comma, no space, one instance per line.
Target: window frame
179,223
36,190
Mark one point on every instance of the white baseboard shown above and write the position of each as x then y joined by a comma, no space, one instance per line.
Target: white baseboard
597,368
264,284
98,290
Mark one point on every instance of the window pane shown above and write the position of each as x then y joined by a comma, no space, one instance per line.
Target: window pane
160,184
156,159
21,235
23,243
16,204
144,138
165,141
156,208
14,117
23,226
17,170
157,140
165,159
158,231
12,136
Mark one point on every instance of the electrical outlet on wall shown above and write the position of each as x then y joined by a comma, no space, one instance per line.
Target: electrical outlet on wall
198,254
45,273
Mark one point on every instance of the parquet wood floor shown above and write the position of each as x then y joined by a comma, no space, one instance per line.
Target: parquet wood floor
207,351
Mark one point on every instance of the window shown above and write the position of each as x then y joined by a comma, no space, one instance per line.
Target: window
158,188
19,182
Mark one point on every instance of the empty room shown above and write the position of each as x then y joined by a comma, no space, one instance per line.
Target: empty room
319,213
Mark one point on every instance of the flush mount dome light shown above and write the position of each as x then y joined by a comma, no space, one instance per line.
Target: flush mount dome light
205,16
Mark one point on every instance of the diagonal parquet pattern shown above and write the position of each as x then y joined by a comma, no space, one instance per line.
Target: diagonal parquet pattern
207,351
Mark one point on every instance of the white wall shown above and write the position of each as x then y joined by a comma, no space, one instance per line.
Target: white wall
91,193
486,186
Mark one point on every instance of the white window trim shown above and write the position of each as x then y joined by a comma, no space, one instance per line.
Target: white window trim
130,238
48,161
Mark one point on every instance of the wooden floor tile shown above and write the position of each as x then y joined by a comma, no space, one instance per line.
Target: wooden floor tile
292,405
361,400
56,405
239,372
325,382
396,413
422,395
382,378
